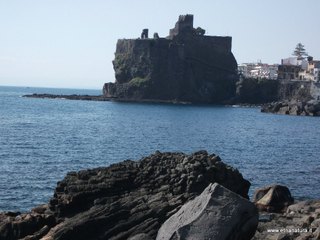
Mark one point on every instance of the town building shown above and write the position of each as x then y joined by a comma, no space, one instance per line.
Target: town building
294,69
258,70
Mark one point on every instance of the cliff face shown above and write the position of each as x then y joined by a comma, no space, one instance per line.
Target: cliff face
185,66
257,91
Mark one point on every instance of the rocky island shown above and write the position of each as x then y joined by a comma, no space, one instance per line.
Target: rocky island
185,66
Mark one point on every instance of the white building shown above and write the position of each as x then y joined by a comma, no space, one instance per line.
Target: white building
258,70
311,72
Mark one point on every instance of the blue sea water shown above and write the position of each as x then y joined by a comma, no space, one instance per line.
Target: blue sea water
43,139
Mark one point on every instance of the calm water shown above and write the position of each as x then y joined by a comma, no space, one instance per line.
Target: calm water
42,139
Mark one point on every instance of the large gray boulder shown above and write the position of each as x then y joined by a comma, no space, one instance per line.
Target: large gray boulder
217,213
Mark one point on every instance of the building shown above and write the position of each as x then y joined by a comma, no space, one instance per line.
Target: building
288,72
294,69
258,70
311,72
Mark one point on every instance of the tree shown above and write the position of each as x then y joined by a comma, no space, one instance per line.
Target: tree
300,52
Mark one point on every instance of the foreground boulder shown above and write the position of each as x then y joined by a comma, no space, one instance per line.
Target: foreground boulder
273,198
130,199
216,214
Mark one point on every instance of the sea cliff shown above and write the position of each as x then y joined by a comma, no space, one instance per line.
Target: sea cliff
186,66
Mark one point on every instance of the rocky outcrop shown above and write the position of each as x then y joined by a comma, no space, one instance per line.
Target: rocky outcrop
217,214
130,199
256,91
300,221
274,198
287,221
69,97
186,66
33,225
298,108
260,91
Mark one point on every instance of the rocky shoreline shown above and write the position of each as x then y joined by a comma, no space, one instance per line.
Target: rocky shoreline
134,199
293,107
99,98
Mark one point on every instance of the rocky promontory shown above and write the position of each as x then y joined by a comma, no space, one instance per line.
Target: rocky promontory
124,199
186,66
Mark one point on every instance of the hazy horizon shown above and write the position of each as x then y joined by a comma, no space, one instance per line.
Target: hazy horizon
68,44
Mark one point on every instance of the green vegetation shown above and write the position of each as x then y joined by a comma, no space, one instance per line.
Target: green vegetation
138,81
300,51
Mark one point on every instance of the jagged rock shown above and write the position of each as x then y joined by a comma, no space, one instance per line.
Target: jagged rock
141,236
186,66
309,108
273,198
300,221
127,198
17,226
216,214
136,197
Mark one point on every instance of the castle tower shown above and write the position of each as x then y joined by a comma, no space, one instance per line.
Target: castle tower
183,26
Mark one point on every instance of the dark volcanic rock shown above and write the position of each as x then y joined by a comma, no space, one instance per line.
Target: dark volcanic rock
129,198
69,97
257,91
17,226
273,198
300,221
186,66
310,108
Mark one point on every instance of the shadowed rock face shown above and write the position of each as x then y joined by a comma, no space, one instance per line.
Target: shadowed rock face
130,198
136,197
186,66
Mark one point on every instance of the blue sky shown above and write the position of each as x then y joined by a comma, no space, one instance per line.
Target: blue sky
71,43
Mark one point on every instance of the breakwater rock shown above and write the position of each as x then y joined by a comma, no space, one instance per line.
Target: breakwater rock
123,200
299,108
69,97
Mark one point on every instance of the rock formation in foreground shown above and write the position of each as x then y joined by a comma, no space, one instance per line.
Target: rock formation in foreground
186,66
300,221
217,214
123,200
282,219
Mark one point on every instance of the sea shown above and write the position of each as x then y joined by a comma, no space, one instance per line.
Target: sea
43,139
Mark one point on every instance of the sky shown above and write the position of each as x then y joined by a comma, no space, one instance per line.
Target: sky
71,43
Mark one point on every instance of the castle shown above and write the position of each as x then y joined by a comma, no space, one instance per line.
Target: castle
187,65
